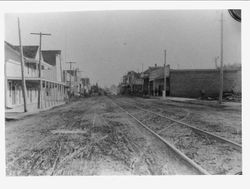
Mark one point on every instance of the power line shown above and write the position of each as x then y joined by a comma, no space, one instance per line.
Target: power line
40,74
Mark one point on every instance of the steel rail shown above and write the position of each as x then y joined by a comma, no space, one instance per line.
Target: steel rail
236,145
178,152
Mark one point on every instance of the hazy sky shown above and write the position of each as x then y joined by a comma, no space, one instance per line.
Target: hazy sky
107,44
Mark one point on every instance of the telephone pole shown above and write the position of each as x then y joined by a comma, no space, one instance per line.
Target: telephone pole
164,75
22,68
40,72
70,64
142,80
221,62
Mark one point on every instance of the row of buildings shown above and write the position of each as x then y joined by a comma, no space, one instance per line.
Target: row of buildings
56,84
191,83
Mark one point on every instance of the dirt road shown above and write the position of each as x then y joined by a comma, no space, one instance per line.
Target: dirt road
87,137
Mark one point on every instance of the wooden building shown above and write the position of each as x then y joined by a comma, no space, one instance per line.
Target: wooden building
53,89
154,80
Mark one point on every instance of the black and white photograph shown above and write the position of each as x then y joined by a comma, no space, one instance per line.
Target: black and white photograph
133,92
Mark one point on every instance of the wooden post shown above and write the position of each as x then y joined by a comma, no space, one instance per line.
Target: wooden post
22,69
6,86
57,93
221,62
53,94
46,98
60,92
61,69
41,94
60,87
44,93
164,75
40,74
49,97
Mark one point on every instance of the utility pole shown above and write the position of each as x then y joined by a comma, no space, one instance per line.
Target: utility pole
22,68
61,72
40,66
142,80
70,64
221,62
164,75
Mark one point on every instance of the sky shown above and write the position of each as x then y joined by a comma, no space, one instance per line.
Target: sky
107,44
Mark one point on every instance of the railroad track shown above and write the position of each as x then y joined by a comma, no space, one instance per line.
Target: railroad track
60,162
236,148
229,133
217,137
178,152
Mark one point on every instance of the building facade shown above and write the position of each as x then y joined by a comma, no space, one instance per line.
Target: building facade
203,82
132,84
72,80
53,89
154,80
85,86
192,83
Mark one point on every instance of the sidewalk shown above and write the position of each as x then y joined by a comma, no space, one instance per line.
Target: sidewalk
213,103
18,113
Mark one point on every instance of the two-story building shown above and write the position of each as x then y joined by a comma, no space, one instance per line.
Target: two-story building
53,89
85,86
132,83
154,80
72,80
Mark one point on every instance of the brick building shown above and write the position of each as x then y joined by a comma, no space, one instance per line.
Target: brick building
191,83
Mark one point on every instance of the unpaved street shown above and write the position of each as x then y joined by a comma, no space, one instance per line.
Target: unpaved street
92,136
